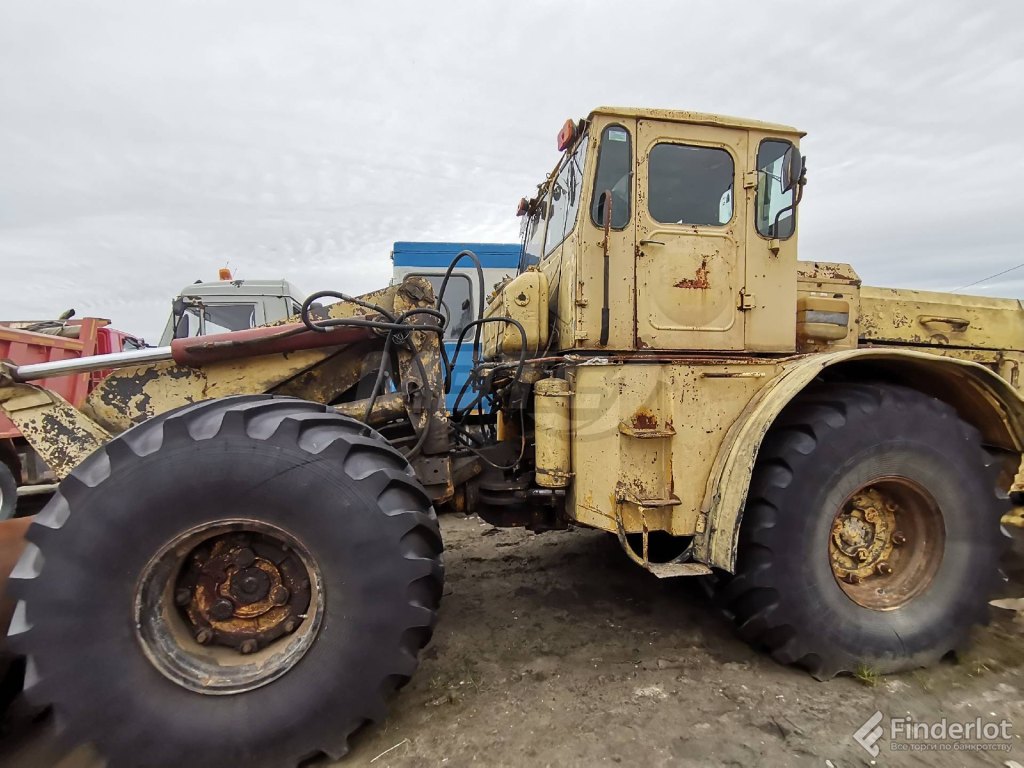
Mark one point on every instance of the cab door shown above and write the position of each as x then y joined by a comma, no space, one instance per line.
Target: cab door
689,256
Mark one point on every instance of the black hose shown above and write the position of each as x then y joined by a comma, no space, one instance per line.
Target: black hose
480,289
458,348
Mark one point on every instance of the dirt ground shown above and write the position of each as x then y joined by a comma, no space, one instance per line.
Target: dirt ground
555,650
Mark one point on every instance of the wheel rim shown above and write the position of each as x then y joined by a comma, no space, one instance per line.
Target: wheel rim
229,606
886,543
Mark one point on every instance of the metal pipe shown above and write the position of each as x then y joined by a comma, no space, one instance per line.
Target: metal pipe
34,371
36,490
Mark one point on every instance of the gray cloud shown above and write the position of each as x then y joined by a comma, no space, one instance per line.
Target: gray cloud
144,145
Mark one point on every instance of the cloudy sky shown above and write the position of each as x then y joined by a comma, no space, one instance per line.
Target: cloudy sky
145,144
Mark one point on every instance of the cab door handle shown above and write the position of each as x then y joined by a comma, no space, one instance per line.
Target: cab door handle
651,242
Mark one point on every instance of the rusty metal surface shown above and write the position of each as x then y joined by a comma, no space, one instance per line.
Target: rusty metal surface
644,437
243,591
699,281
926,318
133,395
826,272
336,374
862,536
254,342
696,118
886,543
60,434
525,299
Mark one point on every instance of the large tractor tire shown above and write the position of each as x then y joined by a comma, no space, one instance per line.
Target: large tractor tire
871,535
239,582
8,492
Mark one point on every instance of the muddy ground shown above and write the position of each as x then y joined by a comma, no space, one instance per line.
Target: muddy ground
555,650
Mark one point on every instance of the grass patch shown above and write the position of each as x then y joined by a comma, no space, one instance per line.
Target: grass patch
866,676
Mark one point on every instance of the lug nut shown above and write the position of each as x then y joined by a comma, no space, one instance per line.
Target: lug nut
883,568
248,646
243,558
222,609
852,578
183,596
898,539
279,595
290,624
204,635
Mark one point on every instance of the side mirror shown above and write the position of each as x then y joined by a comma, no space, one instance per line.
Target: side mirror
792,168
178,307
181,326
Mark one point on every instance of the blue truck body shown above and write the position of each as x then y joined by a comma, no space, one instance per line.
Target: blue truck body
430,260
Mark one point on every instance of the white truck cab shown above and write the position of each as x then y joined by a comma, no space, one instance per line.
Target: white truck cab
226,305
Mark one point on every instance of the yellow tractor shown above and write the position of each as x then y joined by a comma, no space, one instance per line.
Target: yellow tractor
243,559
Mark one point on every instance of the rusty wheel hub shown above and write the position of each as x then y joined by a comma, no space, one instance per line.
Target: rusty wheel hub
862,535
243,591
229,606
886,543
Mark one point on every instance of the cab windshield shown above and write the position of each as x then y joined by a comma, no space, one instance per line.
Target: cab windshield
554,215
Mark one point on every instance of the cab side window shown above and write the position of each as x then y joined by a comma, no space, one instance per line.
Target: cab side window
614,177
776,216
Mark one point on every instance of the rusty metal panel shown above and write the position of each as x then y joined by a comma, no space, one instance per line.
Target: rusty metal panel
645,438
524,299
697,118
60,434
901,316
132,395
825,280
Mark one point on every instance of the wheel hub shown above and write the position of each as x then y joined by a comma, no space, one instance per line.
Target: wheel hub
246,590
862,535
886,543
229,606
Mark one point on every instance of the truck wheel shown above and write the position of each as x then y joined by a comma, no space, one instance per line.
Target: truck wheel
238,582
871,534
8,492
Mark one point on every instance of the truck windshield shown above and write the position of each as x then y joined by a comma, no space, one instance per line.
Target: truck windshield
217,319
532,233
564,194
555,213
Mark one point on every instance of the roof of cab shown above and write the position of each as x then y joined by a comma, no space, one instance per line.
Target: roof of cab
242,288
699,118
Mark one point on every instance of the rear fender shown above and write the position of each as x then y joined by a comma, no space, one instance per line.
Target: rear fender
980,396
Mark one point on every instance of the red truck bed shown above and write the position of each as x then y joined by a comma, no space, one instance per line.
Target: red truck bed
94,337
